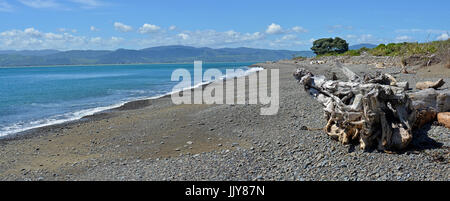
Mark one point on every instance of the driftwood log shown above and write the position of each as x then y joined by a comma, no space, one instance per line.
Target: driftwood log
444,119
428,103
372,109
375,110
428,84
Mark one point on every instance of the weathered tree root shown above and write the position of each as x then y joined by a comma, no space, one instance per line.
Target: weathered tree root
373,110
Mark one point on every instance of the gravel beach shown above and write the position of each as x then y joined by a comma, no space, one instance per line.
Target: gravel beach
157,140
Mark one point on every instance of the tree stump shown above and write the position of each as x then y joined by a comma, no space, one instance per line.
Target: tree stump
371,109
374,110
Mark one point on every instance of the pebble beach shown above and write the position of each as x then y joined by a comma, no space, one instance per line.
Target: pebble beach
157,140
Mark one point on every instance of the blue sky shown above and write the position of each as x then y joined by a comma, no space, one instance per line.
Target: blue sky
282,24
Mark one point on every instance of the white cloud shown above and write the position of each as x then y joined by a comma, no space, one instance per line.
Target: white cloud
32,32
93,28
149,28
33,39
289,37
409,30
403,38
290,41
232,33
365,38
86,4
183,36
5,6
122,27
338,28
40,3
208,38
274,29
64,30
89,3
96,40
415,30
427,34
443,36
299,29
116,39
171,28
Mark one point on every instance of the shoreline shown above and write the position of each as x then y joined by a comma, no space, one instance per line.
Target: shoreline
131,105
157,140
126,105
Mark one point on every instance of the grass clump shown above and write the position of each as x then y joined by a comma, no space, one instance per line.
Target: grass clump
299,58
405,49
435,51
441,49
401,49
357,52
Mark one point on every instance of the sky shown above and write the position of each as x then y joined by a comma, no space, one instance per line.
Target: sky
281,24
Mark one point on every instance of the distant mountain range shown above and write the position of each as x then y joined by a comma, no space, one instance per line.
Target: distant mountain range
162,54
359,46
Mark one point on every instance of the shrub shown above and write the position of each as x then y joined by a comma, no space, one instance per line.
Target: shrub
405,49
329,45
352,53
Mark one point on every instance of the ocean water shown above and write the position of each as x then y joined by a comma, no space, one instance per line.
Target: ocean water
32,97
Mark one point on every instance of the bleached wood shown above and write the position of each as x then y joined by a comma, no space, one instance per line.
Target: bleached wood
429,84
374,109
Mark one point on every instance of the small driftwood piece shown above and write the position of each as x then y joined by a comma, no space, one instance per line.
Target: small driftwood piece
428,84
444,119
374,109
428,103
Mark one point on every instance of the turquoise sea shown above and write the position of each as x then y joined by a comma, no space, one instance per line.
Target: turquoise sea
32,97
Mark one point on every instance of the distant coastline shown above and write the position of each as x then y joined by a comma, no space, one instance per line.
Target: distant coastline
72,65
154,55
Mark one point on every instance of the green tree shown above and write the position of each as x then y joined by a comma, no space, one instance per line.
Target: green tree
329,45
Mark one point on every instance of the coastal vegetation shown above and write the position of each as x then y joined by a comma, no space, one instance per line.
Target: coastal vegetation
329,46
405,49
